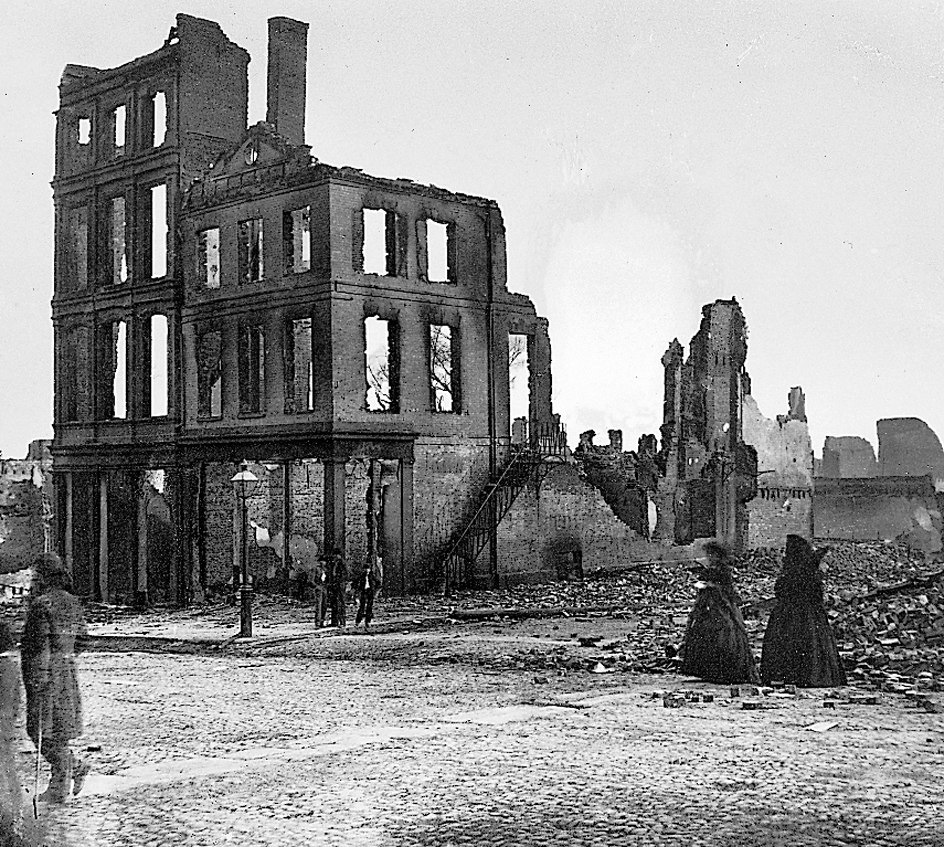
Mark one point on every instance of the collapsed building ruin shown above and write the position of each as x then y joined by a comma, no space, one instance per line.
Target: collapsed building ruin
897,496
723,470
26,508
221,295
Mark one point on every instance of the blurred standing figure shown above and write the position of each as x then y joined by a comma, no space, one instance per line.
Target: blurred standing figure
367,581
54,633
11,794
716,647
337,578
799,648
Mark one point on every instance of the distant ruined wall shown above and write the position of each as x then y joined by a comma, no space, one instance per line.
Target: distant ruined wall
26,506
784,501
848,457
905,508
909,447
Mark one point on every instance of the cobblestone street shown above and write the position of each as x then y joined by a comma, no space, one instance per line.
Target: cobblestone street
425,738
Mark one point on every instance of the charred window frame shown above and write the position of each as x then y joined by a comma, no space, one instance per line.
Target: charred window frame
209,373
437,248
444,368
299,366
155,363
113,370
83,131
296,240
153,229
154,119
251,356
115,227
208,257
381,365
379,242
250,245
118,127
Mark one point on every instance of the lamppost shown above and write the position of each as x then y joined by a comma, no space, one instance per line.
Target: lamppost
244,484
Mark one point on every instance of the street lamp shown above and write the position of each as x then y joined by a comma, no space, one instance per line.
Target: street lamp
244,484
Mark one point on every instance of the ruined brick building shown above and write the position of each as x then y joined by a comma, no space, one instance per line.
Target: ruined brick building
899,495
723,470
221,295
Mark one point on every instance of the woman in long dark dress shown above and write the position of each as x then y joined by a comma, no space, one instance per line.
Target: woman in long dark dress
716,646
799,648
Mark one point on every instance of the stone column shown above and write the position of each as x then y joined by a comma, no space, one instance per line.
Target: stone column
407,576
334,517
103,536
67,521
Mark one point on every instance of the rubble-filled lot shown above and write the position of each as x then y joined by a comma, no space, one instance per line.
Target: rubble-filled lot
540,715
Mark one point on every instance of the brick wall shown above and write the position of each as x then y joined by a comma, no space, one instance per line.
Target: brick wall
880,508
776,513
543,530
448,480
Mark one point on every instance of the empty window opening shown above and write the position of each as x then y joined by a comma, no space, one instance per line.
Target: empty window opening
250,250
115,367
159,382
85,130
118,119
78,247
208,257
441,368
210,374
158,231
299,369
251,369
519,376
380,362
375,241
119,252
159,107
296,227
437,251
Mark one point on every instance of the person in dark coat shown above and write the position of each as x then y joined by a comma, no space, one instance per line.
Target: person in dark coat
338,579
716,646
799,648
54,633
367,581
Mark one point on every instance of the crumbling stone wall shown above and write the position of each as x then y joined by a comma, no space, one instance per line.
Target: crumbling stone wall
784,501
848,457
26,507
909,447
566,528
888,508
710,473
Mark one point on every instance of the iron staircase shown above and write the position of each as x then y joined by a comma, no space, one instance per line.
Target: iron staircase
528,463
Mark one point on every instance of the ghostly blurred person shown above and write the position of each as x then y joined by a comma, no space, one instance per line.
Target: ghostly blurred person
11,795
716,646
54,633
799,648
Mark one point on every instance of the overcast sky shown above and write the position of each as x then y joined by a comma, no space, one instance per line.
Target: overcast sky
648,158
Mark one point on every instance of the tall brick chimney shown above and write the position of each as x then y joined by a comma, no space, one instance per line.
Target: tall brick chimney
288,54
